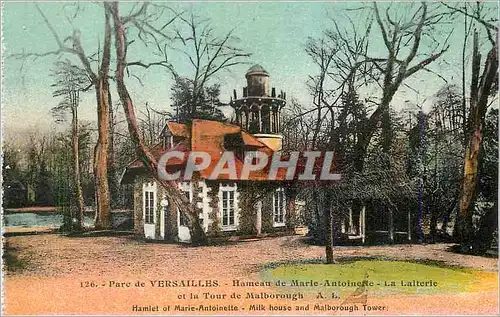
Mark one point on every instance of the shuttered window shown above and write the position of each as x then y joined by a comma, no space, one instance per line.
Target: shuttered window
279,207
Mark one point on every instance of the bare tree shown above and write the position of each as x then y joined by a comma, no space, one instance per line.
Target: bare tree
211,55
72,45
403,38
208,55
70,80
344,59
346,62
480,91
101,83
297,128
120,24
151,123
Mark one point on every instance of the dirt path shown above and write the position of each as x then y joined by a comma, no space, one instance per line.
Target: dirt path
59,271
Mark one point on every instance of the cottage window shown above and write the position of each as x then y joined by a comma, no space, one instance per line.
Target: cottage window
279,207
228,206
149,207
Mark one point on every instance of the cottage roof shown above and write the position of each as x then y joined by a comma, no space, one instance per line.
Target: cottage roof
212,137
158,150
177,129
206,136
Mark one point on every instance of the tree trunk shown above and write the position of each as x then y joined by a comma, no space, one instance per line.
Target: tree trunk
386,131
390,214
112,179
327,213
464,102
433,226
102,220
78,225
317,231
480,90
197,233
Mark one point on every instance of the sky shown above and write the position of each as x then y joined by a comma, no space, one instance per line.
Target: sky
275,33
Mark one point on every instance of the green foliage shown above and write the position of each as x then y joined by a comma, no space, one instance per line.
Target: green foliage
488,168
434,156
192,103
14,182
40,170
372,177
44,190
69,81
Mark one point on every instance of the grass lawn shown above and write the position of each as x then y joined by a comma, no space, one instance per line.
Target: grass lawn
388,277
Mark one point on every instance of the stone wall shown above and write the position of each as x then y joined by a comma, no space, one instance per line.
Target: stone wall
214,229
171,233
248,210
138,205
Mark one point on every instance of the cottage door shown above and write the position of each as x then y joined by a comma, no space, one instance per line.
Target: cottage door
164,213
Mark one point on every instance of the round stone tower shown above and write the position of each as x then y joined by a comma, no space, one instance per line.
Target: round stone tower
259,110
257,81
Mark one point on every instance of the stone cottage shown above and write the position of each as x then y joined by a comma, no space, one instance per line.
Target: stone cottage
226,206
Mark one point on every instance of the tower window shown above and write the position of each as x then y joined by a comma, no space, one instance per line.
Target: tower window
244,119
254,124
266,119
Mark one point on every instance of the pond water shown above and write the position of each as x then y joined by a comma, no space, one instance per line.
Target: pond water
51,219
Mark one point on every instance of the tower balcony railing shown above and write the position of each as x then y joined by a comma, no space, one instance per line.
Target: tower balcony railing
257,98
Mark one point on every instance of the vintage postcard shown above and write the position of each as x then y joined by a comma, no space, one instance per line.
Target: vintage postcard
250,158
